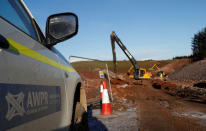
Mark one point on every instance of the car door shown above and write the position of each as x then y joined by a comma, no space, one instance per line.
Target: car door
32,89
72,79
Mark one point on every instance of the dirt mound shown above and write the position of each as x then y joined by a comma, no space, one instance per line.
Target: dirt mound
89,74
193,72
172,67
118,82
124,97
166,86
155,62
124,93
192,93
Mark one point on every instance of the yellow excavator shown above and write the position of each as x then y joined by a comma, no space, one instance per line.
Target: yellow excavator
143,73
160,73
134,72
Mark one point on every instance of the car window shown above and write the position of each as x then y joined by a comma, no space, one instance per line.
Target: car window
12,11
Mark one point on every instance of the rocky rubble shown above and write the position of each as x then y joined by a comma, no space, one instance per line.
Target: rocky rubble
183,91
193,72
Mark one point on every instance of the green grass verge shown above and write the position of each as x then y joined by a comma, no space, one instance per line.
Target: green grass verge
122,66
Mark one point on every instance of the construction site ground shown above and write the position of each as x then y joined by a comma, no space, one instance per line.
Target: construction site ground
118,121
177,102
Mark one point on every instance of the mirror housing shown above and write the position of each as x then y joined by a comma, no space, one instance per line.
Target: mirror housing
60,27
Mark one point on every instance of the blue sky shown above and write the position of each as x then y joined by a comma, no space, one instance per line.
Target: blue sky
150,29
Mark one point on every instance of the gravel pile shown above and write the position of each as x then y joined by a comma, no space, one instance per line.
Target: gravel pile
193,72
174,66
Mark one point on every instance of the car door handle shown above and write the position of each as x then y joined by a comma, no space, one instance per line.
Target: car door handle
3,42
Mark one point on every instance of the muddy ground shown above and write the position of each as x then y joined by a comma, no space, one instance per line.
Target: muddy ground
161,111
151,105
118,121
154,110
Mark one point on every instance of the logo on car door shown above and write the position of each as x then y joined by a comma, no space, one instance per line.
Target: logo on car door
15,105
21,103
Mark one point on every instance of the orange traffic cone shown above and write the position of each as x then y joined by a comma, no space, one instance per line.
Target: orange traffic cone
106,106
101,90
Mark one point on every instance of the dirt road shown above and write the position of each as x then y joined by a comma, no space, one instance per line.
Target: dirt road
118,121
159,111
154,111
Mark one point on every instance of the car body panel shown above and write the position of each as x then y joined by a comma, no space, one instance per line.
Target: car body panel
24,75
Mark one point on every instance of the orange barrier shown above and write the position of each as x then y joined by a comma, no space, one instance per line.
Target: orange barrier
106,106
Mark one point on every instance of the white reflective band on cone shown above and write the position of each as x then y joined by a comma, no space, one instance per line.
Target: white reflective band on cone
101,88
105,98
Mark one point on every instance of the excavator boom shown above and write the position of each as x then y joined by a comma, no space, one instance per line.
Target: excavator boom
114,39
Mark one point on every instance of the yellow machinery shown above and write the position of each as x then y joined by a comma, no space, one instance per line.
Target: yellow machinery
154,66
135,72
143,73
160,73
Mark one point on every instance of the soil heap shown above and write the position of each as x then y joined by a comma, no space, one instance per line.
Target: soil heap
192,72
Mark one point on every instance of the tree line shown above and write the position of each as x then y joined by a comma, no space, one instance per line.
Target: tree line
199,45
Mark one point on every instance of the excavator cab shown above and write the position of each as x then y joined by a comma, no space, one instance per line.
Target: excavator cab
142,73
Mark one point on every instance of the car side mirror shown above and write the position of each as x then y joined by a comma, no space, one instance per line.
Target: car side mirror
60,27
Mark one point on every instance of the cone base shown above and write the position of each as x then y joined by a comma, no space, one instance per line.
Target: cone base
106,109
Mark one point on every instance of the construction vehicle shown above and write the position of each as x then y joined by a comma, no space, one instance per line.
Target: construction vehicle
154,67
159,73
39,89
134,72
143,73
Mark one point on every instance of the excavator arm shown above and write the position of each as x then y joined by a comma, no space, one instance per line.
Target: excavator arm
114,39
155,66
